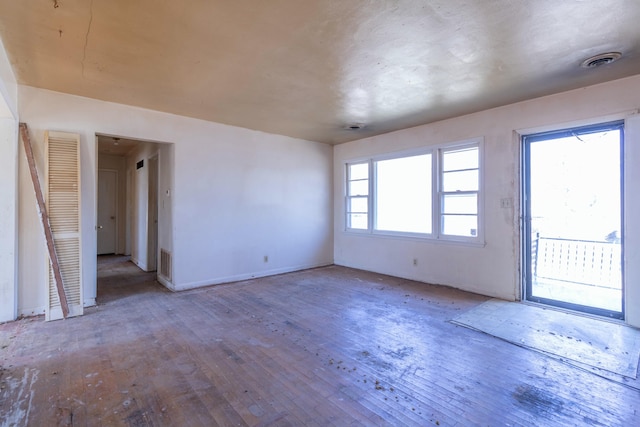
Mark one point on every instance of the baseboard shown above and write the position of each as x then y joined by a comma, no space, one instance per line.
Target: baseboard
166,283
28,312
140,265
240,277
471,289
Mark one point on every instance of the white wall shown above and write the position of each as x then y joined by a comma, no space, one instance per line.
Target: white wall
632,220
139,198
165,190
494,268
8,188
247,195
8,87
8,210
235,194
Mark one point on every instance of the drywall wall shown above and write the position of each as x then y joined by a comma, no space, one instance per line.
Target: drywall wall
232,195
8,188
632,220
139,198
491,269
165,211
8,87
8,210
32,255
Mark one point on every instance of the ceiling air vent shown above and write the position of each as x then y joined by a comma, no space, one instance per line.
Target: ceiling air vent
601,59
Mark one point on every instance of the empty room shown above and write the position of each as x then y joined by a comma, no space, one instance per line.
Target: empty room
319,213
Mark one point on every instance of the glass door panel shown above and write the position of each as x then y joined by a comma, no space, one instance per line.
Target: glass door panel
573,219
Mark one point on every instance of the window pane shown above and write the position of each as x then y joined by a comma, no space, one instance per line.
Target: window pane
460,181
359,171
403,190
466,158
357,204
460,204
460,225
359,188
357,221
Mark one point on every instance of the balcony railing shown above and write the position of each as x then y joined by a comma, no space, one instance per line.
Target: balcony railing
595,263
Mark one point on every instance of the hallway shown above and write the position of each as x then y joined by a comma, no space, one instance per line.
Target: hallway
119,278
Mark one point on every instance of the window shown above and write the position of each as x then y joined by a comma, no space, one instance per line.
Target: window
433,193
459,188
403,194
358,196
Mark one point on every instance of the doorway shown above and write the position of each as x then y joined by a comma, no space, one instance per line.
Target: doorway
573,235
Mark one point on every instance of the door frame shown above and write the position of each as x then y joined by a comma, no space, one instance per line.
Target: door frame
526,138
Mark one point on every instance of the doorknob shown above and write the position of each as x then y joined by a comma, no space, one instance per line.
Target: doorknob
99,226
112,217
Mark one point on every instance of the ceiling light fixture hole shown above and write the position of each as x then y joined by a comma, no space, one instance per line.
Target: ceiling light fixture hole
354,126
601,59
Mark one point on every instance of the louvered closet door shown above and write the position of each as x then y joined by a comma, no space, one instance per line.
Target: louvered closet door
63,205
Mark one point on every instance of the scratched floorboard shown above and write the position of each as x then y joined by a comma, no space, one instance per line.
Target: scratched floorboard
329,346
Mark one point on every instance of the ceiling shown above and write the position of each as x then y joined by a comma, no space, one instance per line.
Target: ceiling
312,68
115,146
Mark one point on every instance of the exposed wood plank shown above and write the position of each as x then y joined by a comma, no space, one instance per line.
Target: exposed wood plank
44,217
330,346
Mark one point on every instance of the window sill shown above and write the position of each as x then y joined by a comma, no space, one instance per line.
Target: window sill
415,238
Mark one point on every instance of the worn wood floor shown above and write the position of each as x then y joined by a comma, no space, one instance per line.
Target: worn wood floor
329,346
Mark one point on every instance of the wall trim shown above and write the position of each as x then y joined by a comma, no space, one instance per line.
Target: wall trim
470,289
246,276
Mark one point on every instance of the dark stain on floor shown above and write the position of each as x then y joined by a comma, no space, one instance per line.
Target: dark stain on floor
536,400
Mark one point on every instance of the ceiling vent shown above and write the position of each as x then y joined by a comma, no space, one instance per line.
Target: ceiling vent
601,59
354,126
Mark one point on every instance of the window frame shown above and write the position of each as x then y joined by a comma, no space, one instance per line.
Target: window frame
349,197
374,191
437,205
479,237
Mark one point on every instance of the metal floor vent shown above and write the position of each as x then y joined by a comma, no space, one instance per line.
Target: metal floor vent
166,264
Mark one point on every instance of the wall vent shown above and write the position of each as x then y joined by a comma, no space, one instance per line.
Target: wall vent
165,264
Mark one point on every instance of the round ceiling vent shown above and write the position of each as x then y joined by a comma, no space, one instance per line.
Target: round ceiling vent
601,59
354,126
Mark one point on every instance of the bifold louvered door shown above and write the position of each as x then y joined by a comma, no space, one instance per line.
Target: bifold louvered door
62,184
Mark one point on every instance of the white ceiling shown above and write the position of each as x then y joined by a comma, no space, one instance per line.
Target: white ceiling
310,68
116,146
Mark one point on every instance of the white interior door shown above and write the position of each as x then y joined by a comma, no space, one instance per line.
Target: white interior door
107,211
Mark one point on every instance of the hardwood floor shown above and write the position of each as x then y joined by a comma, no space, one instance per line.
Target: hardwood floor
329,346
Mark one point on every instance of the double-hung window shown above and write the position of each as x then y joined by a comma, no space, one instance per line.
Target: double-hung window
358,196
432,193
459,191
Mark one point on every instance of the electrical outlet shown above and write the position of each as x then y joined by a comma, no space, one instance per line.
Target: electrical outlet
506,203
415,261
266,258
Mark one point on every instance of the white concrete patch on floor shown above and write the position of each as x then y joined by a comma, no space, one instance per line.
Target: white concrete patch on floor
597,343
